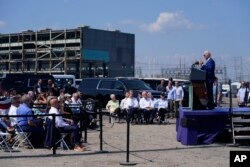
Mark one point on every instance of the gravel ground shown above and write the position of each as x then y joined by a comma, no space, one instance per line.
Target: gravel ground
151,145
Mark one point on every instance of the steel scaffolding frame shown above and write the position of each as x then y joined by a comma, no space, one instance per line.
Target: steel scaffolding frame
45,51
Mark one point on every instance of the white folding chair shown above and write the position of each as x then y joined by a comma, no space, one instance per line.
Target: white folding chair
22,138
3,141
62,141
63,135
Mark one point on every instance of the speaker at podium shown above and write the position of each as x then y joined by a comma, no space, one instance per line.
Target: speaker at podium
198,91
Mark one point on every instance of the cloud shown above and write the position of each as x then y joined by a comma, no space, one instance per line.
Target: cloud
168,22
131,22
165,22
2,23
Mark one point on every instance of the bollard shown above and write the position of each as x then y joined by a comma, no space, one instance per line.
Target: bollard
85,127
101,132
127,163
53,134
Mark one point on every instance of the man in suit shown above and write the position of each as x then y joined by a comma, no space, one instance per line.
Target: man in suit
209,66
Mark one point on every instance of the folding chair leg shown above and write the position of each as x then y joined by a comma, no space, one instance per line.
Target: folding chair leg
4,143
24,138
63,142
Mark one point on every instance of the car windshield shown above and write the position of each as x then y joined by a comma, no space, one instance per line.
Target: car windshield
136,85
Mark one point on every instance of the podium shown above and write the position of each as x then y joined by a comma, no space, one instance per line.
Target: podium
198,91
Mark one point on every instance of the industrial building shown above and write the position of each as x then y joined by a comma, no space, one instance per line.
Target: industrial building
83,52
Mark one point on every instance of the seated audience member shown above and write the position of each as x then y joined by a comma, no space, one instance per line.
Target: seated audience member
122,105
15,102
75,102
29,124
5,104
40,104
153,106
32,96
113,105
131,106
162,105
66,126
76,99
61,95
74,105
67,98
146,107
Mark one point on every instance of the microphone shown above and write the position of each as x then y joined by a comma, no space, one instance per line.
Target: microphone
196,63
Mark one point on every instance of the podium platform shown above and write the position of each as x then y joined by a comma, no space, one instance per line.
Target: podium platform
203,126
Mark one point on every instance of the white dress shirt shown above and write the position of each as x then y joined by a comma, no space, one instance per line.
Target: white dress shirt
179,93
12,111
122,105
241,94
59,119
162,104
131,103
73,101
145,103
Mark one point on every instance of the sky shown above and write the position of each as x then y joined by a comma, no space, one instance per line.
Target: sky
168,33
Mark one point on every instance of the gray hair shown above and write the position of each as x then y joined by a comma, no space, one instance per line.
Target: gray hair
112,95
206,52
26,99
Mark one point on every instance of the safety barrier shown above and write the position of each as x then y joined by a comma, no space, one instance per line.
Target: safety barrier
89,107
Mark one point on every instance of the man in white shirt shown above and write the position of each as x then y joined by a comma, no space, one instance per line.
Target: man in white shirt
5,103
153,106
146,107
122,105
66,126
179,96
171,96
162,106
15,102
131,105
242,94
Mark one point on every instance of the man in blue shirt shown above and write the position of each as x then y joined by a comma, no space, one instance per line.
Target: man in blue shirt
209,67
29,124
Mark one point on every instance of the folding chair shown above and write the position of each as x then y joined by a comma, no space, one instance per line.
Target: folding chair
3,141
56,134
62,141
22,138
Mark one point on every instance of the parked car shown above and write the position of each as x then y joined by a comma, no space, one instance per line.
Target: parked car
62,80
101,88
78,81
22,83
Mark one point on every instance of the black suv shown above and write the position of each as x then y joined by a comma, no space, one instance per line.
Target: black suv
101,88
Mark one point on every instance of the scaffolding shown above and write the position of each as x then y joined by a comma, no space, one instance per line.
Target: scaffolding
45,51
